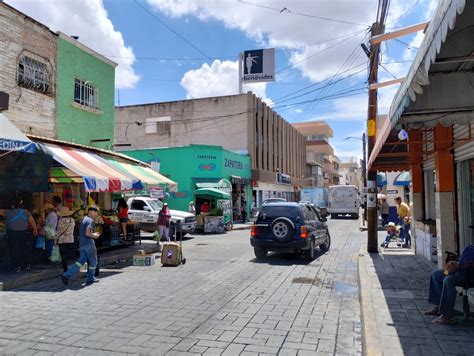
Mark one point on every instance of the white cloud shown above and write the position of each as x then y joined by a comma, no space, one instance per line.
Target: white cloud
89,20
299,34
219,78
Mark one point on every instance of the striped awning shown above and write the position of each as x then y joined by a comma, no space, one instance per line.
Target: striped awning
102,172
97,173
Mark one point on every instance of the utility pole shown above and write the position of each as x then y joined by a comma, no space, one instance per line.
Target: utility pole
372,215
364,173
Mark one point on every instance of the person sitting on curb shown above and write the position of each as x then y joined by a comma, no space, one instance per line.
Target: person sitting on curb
443,287
391,232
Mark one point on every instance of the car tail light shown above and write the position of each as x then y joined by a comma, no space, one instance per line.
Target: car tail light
253,232
304,232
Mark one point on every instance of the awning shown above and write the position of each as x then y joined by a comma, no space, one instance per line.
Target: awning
381,179
437,88
211,192
96,172
144,174
240,180
403,179
207,185
12,139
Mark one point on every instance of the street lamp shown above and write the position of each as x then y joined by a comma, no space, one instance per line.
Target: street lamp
364,167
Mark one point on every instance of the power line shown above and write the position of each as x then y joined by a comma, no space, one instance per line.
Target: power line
286,10
172,30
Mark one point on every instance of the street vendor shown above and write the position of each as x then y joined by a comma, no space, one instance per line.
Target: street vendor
87,249
204,207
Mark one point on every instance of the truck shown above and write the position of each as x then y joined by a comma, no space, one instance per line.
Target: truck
343,200
317,196
144,210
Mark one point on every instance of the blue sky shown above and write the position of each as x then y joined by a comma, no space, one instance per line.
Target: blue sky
315,41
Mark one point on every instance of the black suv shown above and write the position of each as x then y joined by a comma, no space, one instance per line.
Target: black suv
290,227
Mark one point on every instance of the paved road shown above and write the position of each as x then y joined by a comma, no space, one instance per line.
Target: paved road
221,302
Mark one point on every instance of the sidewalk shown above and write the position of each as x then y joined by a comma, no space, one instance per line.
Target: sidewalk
12,280
393,292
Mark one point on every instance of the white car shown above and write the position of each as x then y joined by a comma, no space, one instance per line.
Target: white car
144,210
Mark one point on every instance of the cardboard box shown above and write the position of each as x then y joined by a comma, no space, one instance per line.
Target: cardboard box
143,260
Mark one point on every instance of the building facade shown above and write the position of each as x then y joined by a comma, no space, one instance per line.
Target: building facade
54,82
85,95
319,152
351,174
196,165
240,123
28,53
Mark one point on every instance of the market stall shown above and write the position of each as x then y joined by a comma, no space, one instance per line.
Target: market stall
213,210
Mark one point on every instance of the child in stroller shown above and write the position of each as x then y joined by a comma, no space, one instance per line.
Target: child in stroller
393,234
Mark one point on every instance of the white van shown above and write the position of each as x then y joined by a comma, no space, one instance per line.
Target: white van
343,200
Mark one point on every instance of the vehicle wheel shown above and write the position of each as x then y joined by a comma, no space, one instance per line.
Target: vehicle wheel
333,216
183,261
325,246
282,230
310,254
260,252
355,216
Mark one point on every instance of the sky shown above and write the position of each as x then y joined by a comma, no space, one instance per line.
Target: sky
176,49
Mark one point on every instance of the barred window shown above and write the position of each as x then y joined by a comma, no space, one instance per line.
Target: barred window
85,93
34,75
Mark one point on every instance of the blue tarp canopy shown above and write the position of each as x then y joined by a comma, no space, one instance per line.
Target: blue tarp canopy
381,179
403,179
12,139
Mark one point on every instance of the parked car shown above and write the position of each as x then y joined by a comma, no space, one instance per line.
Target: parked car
290,227
144,210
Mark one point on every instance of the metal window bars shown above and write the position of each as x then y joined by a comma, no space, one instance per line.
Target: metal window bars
34,75
85,93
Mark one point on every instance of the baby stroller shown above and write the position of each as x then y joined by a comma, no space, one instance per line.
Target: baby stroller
393,235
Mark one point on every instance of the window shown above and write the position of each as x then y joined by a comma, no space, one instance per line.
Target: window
158,125
138,205
85,93
34,75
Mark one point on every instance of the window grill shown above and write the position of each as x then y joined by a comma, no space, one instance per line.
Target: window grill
34,75
85,93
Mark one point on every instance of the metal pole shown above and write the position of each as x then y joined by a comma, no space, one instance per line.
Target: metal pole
241,57
372,215
364,173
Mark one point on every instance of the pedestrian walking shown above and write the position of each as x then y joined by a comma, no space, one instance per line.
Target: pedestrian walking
65,235
403,211
87,250
20,241
384,211
164,218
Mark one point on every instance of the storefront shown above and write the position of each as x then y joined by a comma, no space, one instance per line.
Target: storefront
83,176
202,166
428,132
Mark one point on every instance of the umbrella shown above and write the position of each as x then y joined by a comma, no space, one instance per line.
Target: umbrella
12,139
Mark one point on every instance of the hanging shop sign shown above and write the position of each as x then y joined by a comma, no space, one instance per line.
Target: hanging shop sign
282,178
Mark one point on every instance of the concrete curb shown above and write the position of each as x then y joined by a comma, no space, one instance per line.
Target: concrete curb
371,342
242,228
55,270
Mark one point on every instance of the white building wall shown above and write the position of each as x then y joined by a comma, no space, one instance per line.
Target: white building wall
31,111
218,121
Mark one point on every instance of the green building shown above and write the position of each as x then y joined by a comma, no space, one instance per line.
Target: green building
197,166
85,83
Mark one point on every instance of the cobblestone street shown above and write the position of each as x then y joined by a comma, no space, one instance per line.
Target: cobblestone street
221,302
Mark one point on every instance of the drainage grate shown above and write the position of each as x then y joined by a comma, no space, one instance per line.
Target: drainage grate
201,244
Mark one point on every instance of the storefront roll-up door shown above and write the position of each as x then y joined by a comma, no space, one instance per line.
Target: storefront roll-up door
428,146
465,150
465,199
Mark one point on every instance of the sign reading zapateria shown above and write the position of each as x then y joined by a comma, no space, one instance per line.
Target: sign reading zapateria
258,65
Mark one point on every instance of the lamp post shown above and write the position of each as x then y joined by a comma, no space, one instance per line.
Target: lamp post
364,167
